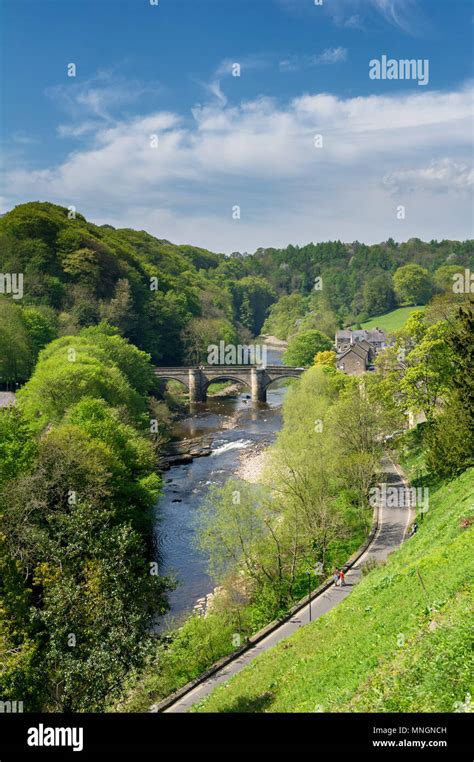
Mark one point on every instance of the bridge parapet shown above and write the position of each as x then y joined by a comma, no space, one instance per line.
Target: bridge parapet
198,378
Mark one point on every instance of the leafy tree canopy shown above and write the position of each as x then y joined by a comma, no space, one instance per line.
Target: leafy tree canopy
304,346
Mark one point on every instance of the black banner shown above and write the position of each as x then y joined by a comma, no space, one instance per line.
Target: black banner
91,736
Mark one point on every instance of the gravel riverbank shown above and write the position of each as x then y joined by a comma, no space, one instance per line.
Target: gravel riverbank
252,462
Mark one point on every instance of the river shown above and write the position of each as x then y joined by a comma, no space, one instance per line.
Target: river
232,426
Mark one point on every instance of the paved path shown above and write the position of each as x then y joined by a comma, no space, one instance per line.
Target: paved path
390,535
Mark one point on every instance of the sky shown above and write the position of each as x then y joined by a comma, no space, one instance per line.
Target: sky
237,124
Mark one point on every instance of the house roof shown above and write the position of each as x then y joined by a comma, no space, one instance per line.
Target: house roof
361,351
374,334
357,350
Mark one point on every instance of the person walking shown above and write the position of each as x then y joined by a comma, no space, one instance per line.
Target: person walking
342,578
335,576
414,528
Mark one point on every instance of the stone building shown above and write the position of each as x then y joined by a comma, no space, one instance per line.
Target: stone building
356,350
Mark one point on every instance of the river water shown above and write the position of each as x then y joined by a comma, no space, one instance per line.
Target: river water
231,426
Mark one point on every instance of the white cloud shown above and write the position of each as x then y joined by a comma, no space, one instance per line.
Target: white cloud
331,56
226,68
289,64
100,99
357,14
394,11
441,176
328,56
350,22
261,155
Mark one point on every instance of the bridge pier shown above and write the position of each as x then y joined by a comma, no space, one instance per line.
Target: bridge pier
258,385
197,392
197,380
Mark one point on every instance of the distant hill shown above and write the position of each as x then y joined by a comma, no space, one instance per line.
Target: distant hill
151,290
174,300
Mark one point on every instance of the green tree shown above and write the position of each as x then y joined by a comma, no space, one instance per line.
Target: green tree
134,363
200,333
41,325
412,284
16,356
304,346
378,294
320,316
428,367
252,297
120,310
71,368
282,316
17,444
450,440
443,277
82,265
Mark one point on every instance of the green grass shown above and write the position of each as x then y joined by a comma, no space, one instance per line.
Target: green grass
200,641
391,321
391,645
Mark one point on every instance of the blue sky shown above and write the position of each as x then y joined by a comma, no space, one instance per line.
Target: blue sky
249,141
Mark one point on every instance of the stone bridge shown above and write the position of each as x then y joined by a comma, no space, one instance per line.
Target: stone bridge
257,379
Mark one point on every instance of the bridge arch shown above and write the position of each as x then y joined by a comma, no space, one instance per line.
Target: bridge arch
179,379
283,377
198,379
225,377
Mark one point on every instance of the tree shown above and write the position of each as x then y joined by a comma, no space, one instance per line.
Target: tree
320,316
443,277
428,368
71,368
201,333
83,266
167,315
120,310
412,284
460,339
252,296
450,440
41,325
16,356
416,371
378,294
76,513
229,526
133,362
327,358
17,444
303,347
282,316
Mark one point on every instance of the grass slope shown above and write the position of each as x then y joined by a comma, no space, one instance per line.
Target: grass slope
391,321
402,641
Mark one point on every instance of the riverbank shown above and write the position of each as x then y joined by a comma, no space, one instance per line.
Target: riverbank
252,462
272,342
